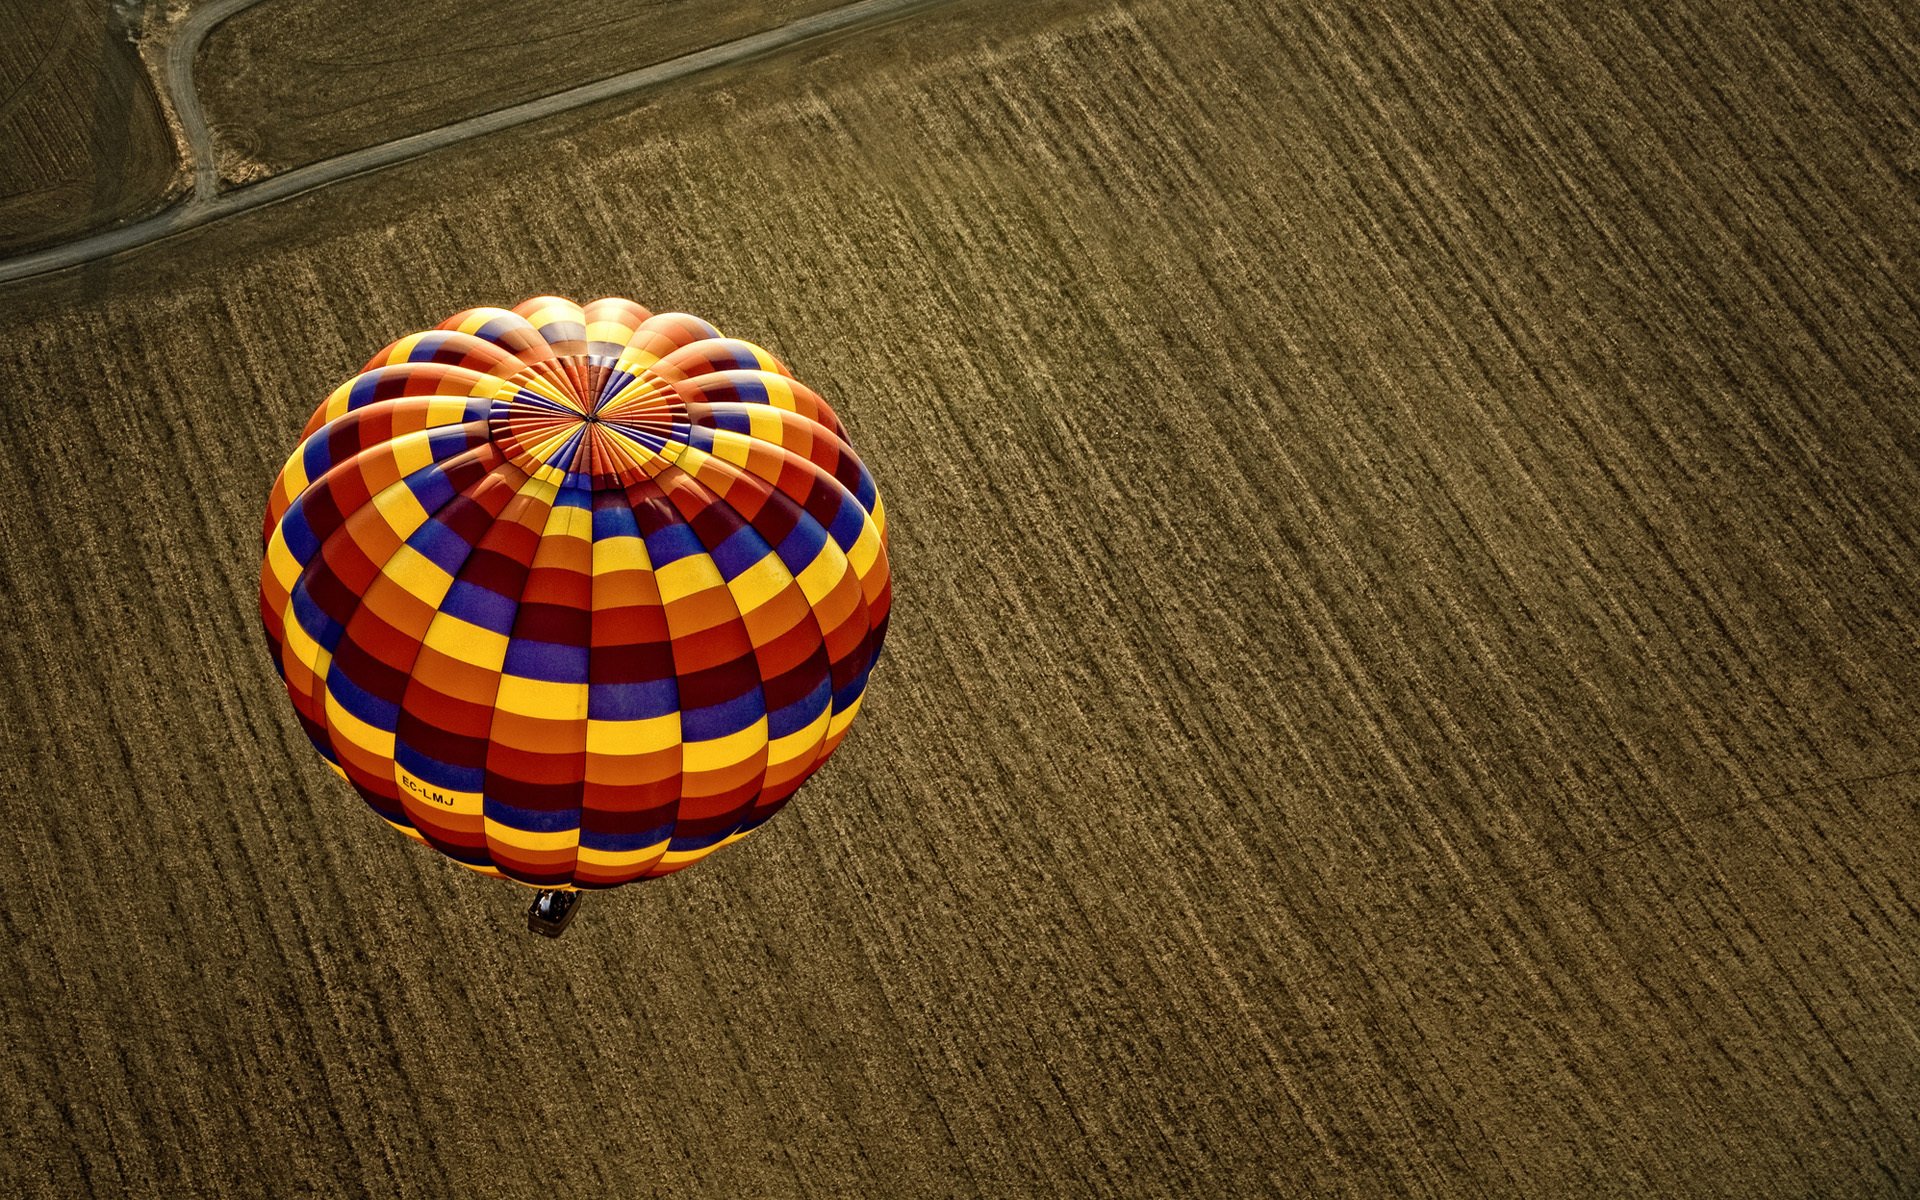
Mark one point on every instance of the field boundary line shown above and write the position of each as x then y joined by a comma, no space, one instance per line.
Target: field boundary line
207,205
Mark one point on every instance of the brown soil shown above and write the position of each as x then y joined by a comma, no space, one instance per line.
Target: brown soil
289,82
85,144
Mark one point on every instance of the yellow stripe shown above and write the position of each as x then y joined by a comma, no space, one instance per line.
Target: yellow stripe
539,489
732,447
401,509
844,718
682,857
613,860
879,514
801,743
337,402
684,576
419,576
447,410
458,803
546,315
345,724
823,572
466,642
759,583
542,698
624,553
609,331
764,423
302,646
686,457
286,568
293,473
780,392
719,753
629,738
404,347
478,318
633,360
527,839
866,548
568,521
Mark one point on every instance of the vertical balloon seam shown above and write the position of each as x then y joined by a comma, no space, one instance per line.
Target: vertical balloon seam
501,477
813,613
739,618
477,453
812,617
598,585
319,557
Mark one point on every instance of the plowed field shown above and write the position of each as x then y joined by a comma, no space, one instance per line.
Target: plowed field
1402,677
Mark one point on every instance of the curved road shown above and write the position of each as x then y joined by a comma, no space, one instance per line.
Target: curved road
181,51
208,203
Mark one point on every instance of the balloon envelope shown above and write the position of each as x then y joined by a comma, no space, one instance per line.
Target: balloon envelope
574,595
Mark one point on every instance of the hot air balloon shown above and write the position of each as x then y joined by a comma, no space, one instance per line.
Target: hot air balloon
575,596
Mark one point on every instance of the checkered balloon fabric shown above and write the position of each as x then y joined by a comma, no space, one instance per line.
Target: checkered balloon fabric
575,595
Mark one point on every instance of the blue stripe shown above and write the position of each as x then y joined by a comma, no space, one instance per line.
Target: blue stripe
719,720
319,626
431,487
532,820
298,533
549,661
567,448
616,380
436,773
317,459
428,346
743,548
361,703
480,606
438,542
848,522
672,543
844,698
445,441
361,393
802,712
738,422
496,329
803,545
750,390
682,842
594,839
612,521
632,701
